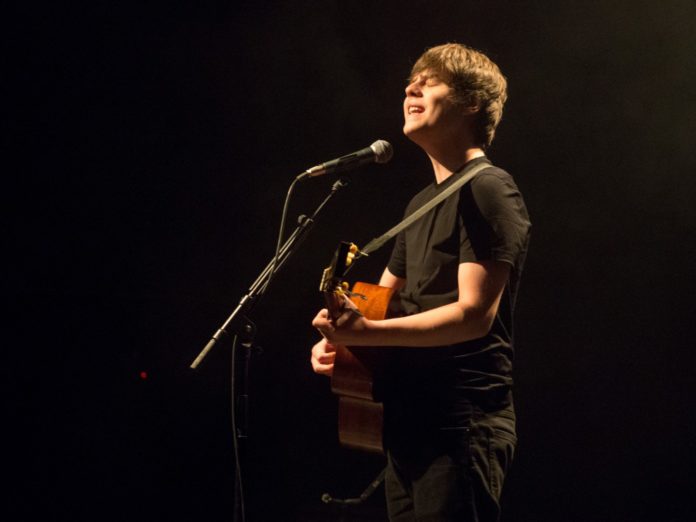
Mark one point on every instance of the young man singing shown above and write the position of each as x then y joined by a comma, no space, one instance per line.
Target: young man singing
449,428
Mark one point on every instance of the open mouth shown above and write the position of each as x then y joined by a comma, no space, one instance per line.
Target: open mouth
415,109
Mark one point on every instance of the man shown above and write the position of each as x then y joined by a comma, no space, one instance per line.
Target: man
449,427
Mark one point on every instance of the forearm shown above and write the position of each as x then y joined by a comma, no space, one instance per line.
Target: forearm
449,324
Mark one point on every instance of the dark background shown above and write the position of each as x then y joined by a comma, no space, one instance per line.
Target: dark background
150,148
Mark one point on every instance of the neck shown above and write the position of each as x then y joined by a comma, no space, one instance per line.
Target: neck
448,149
444,165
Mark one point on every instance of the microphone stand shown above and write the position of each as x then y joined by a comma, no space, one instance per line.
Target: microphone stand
258,287
244,329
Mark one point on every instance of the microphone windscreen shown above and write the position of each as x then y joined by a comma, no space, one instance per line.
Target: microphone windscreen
383,151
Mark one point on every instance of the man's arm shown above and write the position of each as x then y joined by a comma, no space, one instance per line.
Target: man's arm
481,286
391,281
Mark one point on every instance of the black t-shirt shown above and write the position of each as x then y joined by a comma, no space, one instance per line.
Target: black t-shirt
485,220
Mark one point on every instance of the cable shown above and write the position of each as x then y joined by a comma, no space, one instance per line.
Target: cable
372,486
239,489
280,235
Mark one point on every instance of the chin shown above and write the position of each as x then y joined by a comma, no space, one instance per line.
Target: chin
410,130
413,133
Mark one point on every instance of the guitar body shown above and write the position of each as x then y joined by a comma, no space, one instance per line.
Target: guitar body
360,414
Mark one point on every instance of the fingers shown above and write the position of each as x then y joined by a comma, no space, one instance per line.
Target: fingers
323,323
323,357
321,319
322,369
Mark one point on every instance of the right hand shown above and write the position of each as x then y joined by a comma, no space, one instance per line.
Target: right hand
323,357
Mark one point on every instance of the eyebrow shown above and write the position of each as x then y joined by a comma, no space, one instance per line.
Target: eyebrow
425,76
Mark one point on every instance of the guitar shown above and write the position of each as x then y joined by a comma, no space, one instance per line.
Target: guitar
360,414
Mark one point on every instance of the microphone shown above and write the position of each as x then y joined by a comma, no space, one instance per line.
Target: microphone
379,152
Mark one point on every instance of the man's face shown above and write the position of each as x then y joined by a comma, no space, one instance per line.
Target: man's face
429,112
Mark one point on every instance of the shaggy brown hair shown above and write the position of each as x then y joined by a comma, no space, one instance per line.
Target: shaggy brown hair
475,81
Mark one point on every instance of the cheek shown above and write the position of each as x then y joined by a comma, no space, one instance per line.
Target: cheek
446,110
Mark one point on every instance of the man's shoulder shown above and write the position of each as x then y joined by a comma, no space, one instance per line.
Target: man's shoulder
492,175
493,181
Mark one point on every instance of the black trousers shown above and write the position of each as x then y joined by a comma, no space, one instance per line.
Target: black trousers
455,474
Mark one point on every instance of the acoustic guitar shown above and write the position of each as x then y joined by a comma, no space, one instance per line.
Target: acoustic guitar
360,413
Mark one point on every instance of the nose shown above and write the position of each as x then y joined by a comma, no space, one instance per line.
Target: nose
413,88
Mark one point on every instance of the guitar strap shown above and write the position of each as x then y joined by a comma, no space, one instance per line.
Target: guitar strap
467,175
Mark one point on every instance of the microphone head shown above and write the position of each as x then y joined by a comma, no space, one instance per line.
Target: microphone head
383,151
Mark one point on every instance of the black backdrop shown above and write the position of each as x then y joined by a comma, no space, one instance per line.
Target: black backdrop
154,145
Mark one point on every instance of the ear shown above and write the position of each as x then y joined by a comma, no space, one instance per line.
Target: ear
468,110
471,106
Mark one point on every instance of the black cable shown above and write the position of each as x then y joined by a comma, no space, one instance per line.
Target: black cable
280,235
369,490
239,489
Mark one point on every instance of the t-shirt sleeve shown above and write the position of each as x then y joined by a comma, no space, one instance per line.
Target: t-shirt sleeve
497,222
397,262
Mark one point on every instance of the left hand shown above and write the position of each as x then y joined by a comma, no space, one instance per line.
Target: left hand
348,328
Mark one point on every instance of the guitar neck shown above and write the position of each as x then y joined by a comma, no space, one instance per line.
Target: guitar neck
334,304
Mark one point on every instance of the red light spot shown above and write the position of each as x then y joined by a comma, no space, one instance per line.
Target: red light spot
143,375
